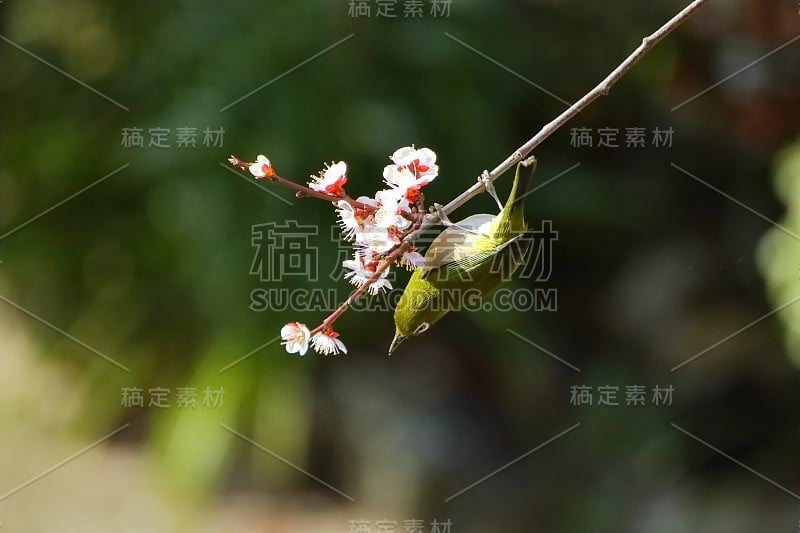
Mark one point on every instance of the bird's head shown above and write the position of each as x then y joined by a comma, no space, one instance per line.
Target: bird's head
414,313
406,330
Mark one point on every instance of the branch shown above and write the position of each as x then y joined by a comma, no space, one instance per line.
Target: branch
390,258
386,261
301,191
601,89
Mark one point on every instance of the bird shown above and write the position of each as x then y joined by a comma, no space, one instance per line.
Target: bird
468,260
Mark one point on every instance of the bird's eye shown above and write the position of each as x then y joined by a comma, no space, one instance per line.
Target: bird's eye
422,328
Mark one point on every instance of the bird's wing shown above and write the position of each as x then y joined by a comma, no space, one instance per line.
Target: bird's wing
454,242
465,264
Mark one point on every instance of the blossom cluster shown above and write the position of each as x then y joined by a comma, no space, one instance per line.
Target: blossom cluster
377,226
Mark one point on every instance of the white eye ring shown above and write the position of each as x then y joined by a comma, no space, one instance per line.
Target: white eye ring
422,328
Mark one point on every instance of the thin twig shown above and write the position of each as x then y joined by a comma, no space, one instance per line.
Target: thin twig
601,89
301,191
386,261
393,256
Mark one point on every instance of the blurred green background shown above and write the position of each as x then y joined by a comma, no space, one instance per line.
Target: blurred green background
151,267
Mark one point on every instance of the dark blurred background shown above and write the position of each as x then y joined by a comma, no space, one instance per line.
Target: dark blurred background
151,267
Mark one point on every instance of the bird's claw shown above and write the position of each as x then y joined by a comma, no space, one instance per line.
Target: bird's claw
438,210
444,220
486,180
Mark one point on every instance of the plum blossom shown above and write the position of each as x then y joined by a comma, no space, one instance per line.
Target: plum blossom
331,180
412,170
376,239
362,269
353,219
392,205
262,168
421,163
327,342
295,337
412,260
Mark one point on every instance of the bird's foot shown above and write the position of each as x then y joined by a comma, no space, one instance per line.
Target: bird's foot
486,180
438,210
444,220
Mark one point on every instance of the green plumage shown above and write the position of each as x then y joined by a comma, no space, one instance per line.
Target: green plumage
467,261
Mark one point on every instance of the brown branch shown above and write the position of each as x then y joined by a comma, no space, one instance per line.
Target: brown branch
601,89
393,256
388,259
301,191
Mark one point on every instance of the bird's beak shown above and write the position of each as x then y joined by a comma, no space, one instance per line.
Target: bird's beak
396,342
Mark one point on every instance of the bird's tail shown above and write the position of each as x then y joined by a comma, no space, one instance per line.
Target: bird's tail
521,188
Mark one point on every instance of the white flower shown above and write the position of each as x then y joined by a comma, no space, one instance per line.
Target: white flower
375,238
327,343
351,219
421,163
331,179
389,212
412,170
295,337
347,219
401,178
412,260
262,167
363,270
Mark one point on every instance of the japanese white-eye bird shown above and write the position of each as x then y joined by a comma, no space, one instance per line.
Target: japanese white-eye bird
468,259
